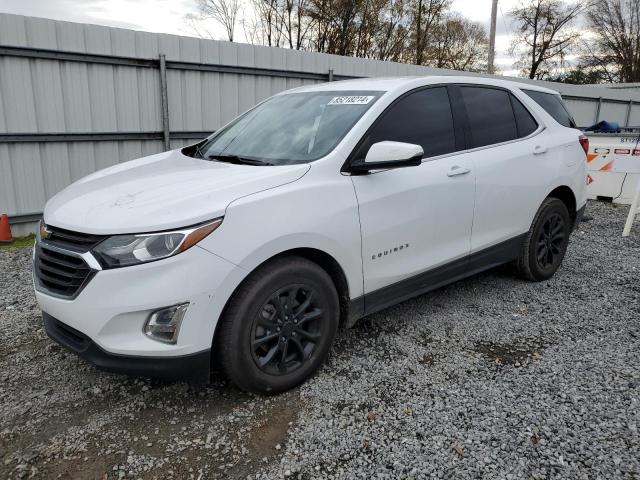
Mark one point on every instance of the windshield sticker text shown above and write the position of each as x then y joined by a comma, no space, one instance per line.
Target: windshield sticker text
351,100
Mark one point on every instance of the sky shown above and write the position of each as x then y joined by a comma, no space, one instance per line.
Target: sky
167,16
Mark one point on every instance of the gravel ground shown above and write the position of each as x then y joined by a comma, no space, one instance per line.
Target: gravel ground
491,377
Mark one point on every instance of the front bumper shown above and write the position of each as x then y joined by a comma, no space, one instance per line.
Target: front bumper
193,368
104,323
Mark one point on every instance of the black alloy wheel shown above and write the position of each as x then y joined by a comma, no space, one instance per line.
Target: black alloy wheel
545,244
278,326
551,240
287,329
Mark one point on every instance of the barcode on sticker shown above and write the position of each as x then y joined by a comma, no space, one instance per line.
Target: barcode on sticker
351,100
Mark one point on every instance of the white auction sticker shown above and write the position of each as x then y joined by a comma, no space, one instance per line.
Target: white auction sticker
351,100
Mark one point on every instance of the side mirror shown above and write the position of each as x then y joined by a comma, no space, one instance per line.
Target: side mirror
383,155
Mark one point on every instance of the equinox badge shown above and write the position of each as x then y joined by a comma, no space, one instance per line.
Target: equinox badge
390,251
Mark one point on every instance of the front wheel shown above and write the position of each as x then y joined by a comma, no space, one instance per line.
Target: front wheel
278,326
545,245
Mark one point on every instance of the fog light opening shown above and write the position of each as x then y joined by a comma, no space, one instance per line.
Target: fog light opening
164,325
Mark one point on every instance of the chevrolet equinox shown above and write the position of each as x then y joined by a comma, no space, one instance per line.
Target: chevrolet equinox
318,206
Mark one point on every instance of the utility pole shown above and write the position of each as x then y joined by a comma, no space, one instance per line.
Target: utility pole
492,35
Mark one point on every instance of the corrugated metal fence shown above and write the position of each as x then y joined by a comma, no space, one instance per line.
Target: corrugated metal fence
75,98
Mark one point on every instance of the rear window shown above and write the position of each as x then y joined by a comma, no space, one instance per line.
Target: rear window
553,105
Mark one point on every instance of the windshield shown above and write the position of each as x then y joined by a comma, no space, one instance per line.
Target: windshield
291,128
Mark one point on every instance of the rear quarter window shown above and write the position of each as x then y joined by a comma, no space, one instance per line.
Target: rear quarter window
525,122
553,105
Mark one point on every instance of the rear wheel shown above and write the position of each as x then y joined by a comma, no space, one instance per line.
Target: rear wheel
545,245
278,326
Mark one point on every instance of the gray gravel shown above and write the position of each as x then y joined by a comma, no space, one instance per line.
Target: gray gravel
491,377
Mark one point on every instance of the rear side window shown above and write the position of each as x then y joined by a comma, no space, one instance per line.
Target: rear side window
423,118
491,118
554,106
524,121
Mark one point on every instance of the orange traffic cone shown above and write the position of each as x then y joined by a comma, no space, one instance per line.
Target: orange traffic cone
5,229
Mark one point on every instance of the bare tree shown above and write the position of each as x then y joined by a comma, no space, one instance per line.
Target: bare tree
459,44
414,31
389,42
616,51
425,15
544,34
345,25
366,25
594,61
195,24
224,12
336,25
296,23
270,22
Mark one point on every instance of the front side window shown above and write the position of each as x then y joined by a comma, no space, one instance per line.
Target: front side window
553,105
491,118
291,128
423,118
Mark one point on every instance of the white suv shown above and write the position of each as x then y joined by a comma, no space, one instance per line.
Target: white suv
320,205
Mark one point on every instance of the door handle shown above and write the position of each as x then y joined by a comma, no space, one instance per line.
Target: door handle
457,170
539,150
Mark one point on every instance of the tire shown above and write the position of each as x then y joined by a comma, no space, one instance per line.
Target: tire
261,347
546,243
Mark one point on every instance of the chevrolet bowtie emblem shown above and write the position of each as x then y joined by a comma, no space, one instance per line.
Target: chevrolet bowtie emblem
44,232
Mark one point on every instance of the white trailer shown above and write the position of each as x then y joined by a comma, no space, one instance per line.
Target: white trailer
614,165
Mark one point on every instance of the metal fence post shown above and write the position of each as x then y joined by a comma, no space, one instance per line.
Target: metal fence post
629,107
598,110
164,101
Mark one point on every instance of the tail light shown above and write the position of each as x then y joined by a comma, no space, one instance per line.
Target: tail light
584,143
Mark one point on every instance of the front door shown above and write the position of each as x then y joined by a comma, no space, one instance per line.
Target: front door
414,219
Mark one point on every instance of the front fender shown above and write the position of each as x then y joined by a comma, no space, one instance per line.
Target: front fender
304,214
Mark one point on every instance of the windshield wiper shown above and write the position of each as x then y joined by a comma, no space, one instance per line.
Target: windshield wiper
238,160
198,151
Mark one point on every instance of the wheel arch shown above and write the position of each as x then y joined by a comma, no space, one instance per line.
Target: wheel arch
333,269
565,195
321,258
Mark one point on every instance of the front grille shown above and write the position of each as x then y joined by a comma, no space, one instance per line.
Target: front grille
76,241
60,273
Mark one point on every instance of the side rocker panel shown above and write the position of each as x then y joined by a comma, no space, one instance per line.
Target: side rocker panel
438,277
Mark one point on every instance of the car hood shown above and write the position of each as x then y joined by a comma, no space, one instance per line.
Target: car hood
160,192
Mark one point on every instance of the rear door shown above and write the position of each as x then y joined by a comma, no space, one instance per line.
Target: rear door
417,218
508,149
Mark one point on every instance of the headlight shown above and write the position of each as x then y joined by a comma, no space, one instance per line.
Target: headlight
125,250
